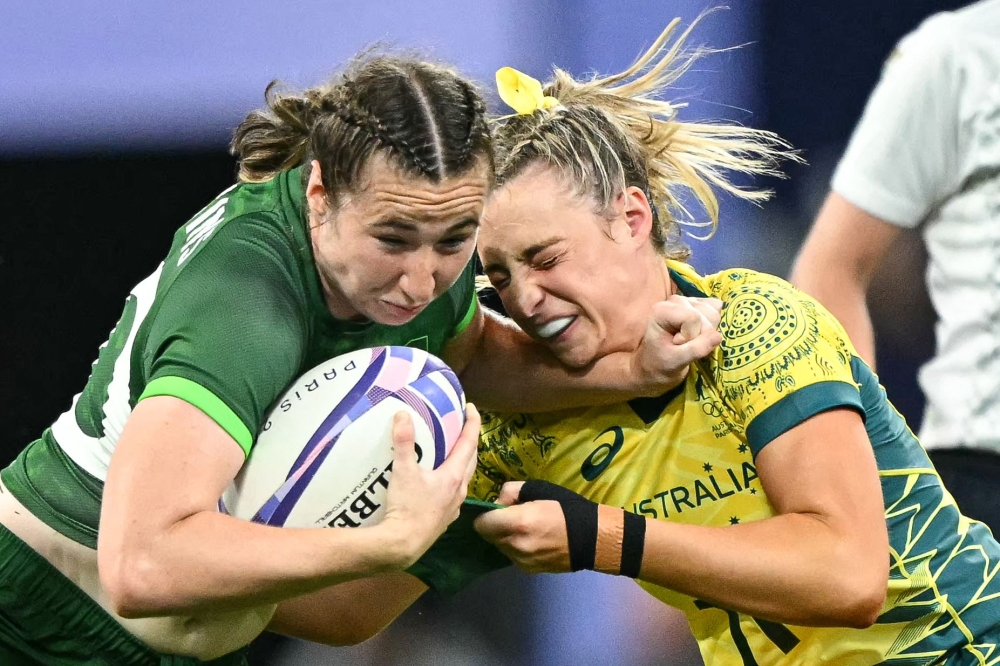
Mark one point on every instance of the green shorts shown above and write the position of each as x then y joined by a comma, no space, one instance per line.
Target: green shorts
47,620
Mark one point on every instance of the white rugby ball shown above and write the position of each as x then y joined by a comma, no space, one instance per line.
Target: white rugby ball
324,455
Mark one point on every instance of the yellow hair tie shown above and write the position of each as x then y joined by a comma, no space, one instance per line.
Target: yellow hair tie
521,92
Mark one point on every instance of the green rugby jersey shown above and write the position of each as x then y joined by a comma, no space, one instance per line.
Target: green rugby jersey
229,319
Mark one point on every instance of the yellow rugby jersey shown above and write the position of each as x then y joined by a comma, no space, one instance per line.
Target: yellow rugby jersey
688,456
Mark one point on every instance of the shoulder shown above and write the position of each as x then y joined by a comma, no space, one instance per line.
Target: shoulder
248,212
243,284
770,314
930,49
763,316
771,329
783,358
248,266
240,231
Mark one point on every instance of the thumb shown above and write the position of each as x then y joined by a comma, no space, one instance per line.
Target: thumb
690,328
494,525
510,493
403,440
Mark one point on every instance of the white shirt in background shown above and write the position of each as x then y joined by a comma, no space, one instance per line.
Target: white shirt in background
927,153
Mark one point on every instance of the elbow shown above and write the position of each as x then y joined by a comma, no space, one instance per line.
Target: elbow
864,609
126,579
863,598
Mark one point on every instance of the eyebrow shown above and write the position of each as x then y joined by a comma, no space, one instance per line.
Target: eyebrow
404,225
526,255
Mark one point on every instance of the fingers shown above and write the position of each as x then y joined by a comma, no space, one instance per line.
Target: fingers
687,317
510,493
699,347
710,308
532,535
463,453
690,327
497,524
403,440
707,337
672,313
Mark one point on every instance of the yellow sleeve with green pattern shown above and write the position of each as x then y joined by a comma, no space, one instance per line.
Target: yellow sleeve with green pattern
501,457
783,358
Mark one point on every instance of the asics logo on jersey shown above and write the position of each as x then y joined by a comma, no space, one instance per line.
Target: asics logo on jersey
601,457
202,226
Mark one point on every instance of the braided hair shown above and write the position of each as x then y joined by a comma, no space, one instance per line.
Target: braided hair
424,117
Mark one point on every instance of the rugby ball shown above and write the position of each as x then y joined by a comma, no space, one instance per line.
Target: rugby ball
324,455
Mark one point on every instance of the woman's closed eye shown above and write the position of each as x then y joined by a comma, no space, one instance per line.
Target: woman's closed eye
392,242
499,279
453,244
545,262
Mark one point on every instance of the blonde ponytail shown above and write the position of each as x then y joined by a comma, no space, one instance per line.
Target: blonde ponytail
613,132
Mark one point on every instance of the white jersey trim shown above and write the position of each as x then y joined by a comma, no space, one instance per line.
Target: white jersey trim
93,454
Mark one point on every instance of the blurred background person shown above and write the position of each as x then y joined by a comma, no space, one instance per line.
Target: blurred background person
114,121
926,156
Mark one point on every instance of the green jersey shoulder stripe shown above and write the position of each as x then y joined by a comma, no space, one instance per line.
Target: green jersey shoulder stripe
206,401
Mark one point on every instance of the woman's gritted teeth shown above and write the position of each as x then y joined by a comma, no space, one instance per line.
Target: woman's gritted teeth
554,327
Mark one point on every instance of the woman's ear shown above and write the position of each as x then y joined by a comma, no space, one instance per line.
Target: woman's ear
638,214
315,192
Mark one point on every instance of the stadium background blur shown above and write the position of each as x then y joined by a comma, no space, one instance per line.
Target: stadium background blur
114,119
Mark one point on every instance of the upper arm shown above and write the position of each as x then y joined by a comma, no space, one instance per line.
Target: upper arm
221,342
802,410
172,461
784,358
845,242
825,466
228,333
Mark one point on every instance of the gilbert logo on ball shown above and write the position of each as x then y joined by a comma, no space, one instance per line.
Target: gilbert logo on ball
324,455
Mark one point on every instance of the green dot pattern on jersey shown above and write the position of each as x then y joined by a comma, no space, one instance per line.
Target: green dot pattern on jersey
756,324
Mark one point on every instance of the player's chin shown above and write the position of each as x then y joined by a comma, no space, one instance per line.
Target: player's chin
574,356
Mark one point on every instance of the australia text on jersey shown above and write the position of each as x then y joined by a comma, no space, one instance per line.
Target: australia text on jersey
717,484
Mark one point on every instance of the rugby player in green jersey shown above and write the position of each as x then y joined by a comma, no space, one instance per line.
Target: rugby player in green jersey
353,225
774,496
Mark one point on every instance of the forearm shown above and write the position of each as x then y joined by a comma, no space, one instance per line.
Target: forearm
348,613
510,372
793,568
212,562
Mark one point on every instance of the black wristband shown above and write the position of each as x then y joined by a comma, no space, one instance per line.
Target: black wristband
580,515
536,489
581,530
633,543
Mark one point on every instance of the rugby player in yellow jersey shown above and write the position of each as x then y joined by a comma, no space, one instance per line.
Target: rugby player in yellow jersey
774,496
